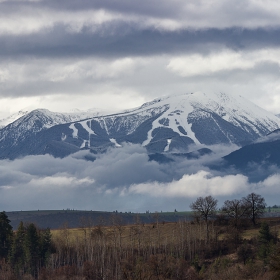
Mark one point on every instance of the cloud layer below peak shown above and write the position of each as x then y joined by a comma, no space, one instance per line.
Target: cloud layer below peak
122,179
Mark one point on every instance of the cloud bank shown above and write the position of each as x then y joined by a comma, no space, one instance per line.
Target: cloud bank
122,179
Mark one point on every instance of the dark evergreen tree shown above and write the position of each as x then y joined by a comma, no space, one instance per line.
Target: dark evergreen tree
45,246
31,248
6,235
17,255
265,240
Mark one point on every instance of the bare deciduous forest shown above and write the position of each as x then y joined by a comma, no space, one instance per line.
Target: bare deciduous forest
221,247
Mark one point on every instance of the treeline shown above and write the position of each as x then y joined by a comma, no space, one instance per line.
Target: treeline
210,247
27,250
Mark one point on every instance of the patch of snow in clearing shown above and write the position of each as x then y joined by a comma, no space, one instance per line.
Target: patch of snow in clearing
86,142
86,127
166,149
63,137
75,130
115,142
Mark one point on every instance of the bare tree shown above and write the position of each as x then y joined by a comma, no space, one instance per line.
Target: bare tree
205,207
235,210
256,206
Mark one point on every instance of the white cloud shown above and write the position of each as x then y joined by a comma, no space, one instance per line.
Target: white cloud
60,180
200,184
30,20
71,69
270,186
226,60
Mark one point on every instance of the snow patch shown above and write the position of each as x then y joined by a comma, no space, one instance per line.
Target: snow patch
114,141
166,149
86,127
75,130
63,137
85,144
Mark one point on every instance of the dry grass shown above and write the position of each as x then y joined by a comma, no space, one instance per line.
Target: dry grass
133,235
165,232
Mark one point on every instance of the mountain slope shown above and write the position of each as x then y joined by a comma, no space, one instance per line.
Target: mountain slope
167,124
175,122
31,123
10,119
265,151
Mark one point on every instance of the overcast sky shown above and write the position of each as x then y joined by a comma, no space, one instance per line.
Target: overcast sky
117,55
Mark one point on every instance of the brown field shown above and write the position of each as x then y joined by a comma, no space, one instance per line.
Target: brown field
163,231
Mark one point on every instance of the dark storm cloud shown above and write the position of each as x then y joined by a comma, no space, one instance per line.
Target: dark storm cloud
122,40
133,28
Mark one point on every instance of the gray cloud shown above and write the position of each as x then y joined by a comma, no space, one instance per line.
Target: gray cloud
122,179
119,39
159,14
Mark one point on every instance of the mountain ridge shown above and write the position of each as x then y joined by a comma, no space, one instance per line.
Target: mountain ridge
167,124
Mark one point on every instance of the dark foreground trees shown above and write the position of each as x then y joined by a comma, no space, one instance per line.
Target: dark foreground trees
256,206
6,234
250,207
30,250
235,210
204,208
275,262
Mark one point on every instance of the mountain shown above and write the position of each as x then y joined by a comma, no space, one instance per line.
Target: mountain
26,127
7,120
265,151
169,124
171,157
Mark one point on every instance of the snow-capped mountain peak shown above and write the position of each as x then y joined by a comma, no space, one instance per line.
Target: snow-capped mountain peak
186,110
166,124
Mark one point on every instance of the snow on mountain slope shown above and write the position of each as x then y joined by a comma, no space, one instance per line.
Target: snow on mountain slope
184,110
235,110
200,108
7,120
189,118
72,115
33,122
163,125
